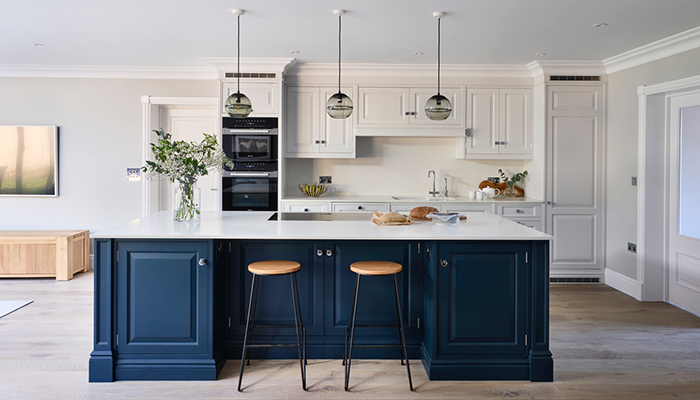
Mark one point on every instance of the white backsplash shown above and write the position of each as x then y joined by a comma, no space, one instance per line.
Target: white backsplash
397,166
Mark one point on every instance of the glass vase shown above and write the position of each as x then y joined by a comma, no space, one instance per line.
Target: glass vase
510,192
187,200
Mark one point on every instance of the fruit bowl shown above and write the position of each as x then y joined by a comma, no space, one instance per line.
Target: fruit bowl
313,190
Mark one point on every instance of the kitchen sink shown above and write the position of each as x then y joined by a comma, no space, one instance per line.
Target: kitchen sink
424,198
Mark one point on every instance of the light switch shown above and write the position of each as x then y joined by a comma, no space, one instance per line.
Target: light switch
133,174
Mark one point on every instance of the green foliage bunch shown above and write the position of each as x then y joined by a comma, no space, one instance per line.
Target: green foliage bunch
185,161
511,181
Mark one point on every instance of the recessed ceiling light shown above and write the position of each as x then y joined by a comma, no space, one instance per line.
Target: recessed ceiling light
417,53
38,45
294,52
540,54
601,25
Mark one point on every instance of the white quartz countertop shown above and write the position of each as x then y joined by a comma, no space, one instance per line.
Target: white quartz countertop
255,225
326,198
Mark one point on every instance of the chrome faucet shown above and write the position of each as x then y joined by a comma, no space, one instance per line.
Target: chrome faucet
446,196
433,192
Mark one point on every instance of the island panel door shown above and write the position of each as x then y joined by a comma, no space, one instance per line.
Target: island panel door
482,298
164,296
376,305
274,305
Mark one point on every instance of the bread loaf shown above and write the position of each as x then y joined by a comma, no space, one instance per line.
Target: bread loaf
393,217
419,213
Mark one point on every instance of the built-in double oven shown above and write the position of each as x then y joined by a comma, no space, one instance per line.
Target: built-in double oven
251,185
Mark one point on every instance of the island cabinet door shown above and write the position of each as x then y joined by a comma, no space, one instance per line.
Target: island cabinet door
274,304
376,304
164,298
482,299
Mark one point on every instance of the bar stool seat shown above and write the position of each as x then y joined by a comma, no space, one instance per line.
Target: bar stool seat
375,268
274,267
270,268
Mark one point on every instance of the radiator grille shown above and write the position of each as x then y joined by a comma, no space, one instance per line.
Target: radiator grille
250,75
574,280
573,78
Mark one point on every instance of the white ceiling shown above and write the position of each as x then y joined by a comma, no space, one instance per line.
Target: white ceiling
179,33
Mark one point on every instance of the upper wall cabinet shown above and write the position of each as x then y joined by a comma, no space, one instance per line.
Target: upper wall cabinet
265,97
309,131
499,124
381,110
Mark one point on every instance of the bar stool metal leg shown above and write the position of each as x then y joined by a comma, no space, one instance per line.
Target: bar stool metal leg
251,304
348,361
398,326
401,330
297,322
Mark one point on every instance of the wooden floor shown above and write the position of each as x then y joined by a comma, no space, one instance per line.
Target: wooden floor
606,345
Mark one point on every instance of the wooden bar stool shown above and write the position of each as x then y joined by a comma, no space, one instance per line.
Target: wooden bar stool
276,267
375,268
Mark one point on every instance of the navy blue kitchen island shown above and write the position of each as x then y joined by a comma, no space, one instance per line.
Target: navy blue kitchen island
171,298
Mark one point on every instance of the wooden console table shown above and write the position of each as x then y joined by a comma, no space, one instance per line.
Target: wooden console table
44,254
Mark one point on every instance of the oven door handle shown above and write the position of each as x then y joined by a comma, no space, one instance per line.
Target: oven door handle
250,174
250,131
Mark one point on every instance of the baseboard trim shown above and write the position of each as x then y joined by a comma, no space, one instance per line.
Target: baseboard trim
625,284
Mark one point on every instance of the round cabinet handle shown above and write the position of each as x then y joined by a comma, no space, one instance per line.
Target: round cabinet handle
318,141
202,262
550,203
323,142
319,252
444,263
359,207
519,211
329,252
306,210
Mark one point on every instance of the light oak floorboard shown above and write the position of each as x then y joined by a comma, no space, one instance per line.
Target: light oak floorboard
606,345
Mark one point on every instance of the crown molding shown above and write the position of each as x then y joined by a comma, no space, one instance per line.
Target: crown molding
666,47
412,70
251,64
104,72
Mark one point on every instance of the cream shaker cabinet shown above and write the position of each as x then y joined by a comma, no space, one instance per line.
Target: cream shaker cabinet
403,106
265,97
499,124
309,131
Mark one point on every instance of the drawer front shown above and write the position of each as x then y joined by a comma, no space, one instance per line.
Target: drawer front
462,208
359,207
532,223
521,211
405,208
323,207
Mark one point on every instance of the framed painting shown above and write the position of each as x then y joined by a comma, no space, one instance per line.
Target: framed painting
29,161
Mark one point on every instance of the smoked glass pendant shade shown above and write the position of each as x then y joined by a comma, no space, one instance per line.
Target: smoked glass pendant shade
238,105
438,107
339,106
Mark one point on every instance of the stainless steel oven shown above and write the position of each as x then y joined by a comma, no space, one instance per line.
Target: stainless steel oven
249,191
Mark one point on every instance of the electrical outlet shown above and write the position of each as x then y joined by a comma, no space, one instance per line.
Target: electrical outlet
634,181
133,174
494,179
631,247
325,179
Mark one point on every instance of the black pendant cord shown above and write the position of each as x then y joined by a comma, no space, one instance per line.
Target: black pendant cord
339,45
238,60
438,63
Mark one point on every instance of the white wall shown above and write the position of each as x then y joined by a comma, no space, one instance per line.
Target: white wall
100,136
622,151
398,166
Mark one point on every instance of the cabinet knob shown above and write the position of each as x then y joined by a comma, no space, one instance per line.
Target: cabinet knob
306,210
323,142
359,207
202,262
319,252
408,113
549,203
444,263
329,252
317,141
519,211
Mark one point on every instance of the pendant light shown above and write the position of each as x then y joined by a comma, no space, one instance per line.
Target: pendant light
438,107
339,106
238,105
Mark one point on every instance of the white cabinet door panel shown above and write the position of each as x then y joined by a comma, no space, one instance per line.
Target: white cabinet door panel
421,96
336,134
575,163
482,121
575,239
515,123
265,97
303,118
383,106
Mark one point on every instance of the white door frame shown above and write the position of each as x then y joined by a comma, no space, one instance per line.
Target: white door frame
150,109
652,188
